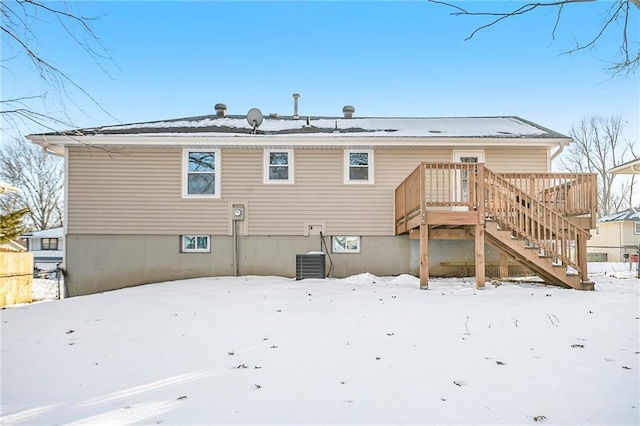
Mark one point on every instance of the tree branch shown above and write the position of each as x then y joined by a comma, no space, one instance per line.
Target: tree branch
620,9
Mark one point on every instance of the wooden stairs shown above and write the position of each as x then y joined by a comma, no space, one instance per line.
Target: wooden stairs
541,221
549,269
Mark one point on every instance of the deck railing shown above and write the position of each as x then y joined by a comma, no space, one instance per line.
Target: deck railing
570,194
435,186
545,228
534,206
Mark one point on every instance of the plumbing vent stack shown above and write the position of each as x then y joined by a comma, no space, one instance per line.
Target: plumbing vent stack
296,96
221,110
348,111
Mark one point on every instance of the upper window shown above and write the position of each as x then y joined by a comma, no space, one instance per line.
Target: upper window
358,166
278,166
49,244
196,243
201,173
636,229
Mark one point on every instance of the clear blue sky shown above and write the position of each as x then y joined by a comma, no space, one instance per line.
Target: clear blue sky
178,59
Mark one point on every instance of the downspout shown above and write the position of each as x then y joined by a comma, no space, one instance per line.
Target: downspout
558,152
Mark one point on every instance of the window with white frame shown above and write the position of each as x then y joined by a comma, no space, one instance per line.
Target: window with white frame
201,173
597,230
49,244
358,166
636,229
345,244
278,166
196,243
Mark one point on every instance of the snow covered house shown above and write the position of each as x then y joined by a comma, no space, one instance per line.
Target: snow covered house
616,237
246,194
47,247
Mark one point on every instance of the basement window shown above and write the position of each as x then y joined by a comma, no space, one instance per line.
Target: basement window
196,244
344,244
201,173
278,166
358,166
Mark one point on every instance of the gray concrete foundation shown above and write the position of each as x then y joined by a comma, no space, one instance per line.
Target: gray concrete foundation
97,263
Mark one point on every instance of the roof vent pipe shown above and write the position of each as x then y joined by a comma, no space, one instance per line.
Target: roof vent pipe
348,111
296,96
221,110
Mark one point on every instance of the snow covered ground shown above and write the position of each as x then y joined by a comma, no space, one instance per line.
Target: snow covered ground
360,350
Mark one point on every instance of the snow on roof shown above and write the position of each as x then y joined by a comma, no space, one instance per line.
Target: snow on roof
45,233
632,214
493,127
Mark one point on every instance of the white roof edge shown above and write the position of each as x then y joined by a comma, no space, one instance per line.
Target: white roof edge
629,168
55,144
51,232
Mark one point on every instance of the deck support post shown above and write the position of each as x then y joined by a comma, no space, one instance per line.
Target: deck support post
504,267
582,258
480,256
424,256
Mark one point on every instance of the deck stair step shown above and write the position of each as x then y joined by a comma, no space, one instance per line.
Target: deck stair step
544,266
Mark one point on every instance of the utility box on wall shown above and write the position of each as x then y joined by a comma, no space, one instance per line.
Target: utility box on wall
310,265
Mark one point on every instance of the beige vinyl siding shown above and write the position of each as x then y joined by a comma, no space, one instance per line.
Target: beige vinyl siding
135,192
616,233
609,235
138,191
615,239
630,237
515,160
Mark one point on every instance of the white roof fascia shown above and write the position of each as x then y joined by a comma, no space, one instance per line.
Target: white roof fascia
45,233
56,143
630,168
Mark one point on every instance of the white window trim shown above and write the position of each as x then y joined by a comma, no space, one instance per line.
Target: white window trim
636,228
185,173
290,164
457,155
195,250
346,165
333,246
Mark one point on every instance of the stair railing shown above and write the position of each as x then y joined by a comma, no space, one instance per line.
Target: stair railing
516,210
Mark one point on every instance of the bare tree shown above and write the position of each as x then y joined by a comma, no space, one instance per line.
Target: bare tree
40,179
21,25
617,18
598,147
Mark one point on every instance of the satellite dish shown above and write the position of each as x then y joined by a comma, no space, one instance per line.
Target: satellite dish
254,117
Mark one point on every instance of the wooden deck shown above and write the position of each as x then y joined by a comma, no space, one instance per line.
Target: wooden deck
540,220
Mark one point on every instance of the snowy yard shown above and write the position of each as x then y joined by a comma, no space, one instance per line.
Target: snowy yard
360,350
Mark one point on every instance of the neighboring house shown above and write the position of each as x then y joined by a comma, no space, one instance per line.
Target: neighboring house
616,237
222,195
629,168
16,267
47,247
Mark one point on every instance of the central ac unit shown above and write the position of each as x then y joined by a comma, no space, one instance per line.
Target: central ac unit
310,265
